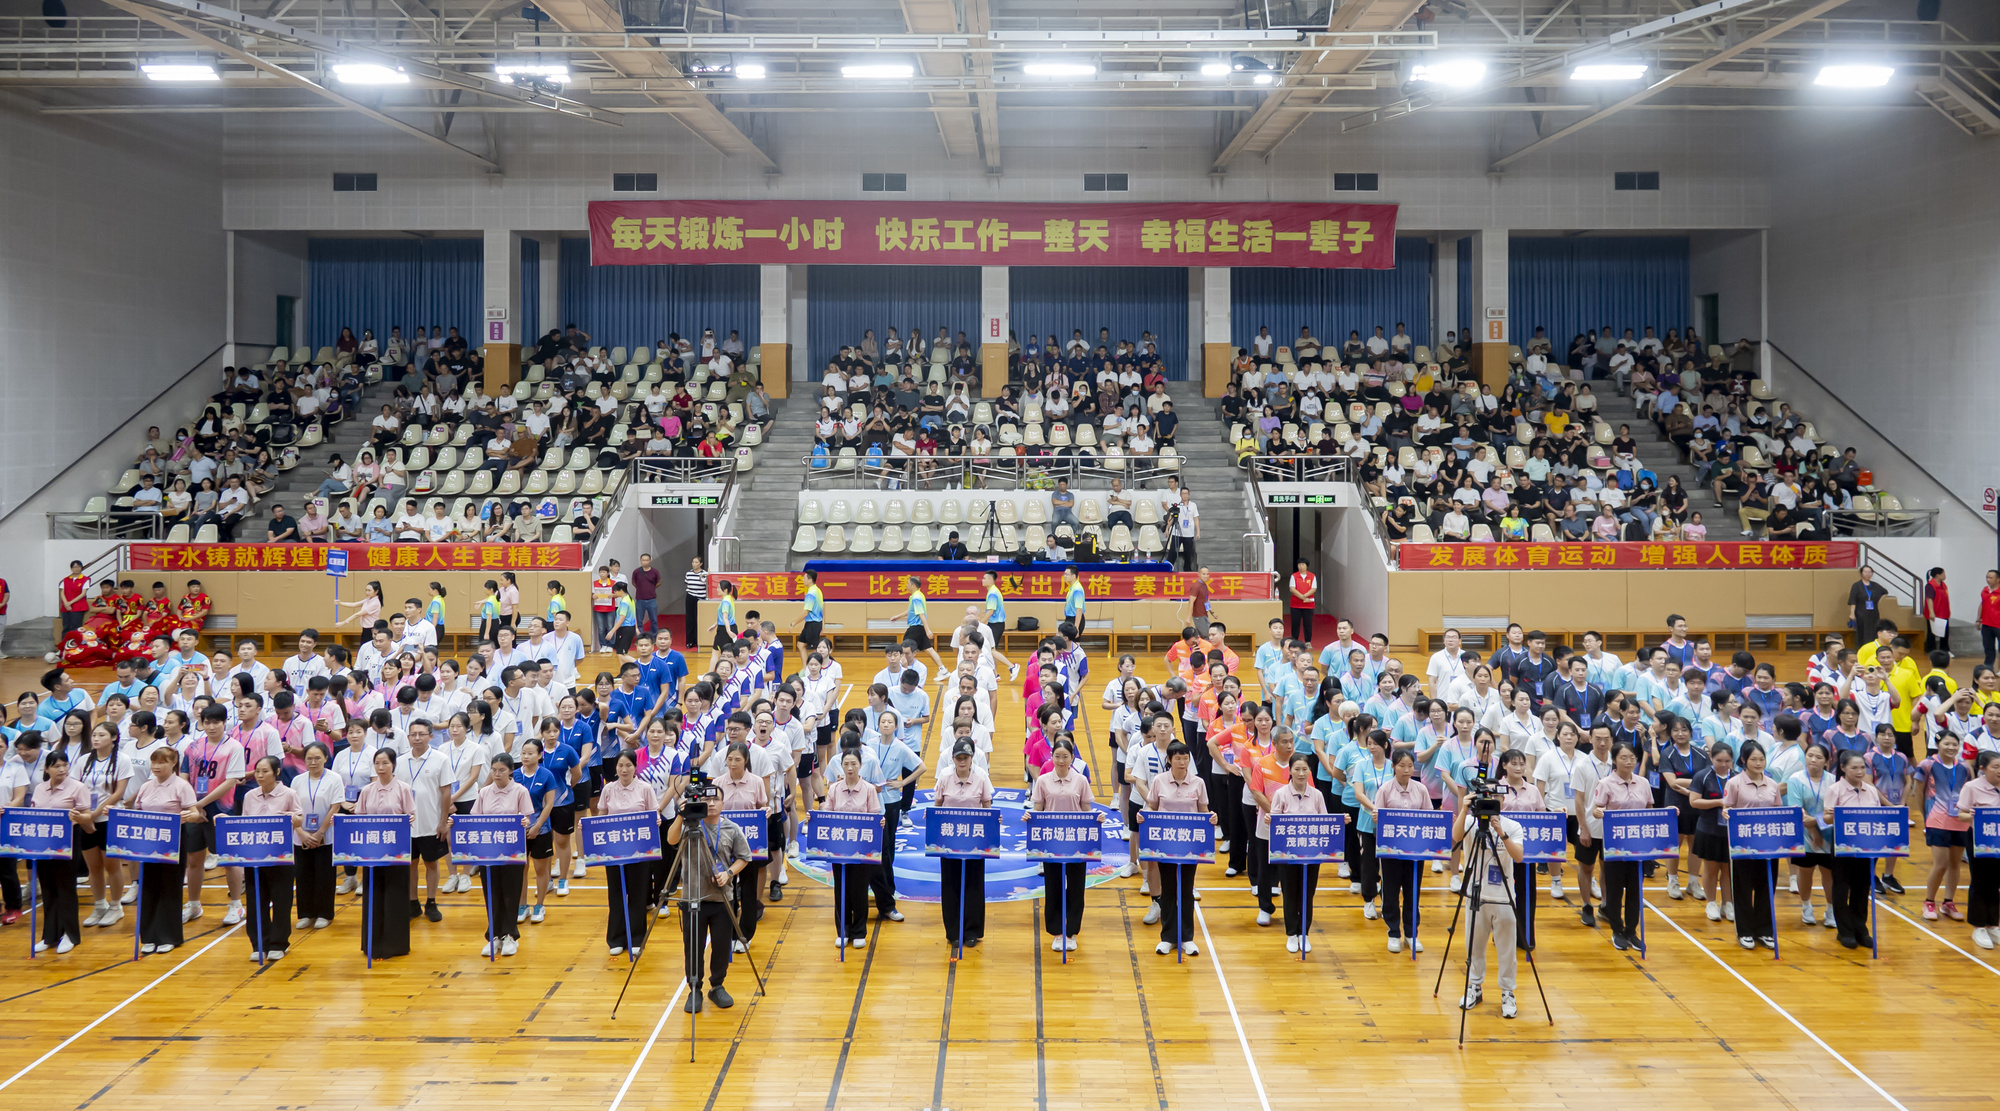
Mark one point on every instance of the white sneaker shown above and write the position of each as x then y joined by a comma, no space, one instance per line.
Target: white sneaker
1673,887
345,886
792,850
617,950
1305,943
737,947
508,947
1806,914
1471,1000
190,912
1345,871
1556,888
113,915
1507,1008
1263,918
1729,911
233,915
1163,948
1713,910
1222,845
65,945
894,916
1826,917
1055,945
1013,672
1792,885
1457,882
1069,943
1596,889
1983,938
665,909
1395,945
1437,867
486,950
1369,912
1145,887
1694,888
1189,948
322,923
1291,943
1152,915
860,943
148,947
1354,887
579,871
302,924
131,895
96,916
840,943
256,956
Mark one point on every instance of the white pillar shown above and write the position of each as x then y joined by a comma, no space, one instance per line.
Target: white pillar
503,289
229,299
802,368
1763,305
1489,285
774,304
995,321
1444,297
548,282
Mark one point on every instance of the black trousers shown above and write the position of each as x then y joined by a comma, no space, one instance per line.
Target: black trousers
1226,791
1361,862
1177,903
748,898
503,899
160,887
1982,900
270,925
1399,898
626,919
1851,879
693,621
1524,927
663,869
708,925
1621,895
1261,880
1064,916
1300,881
386,894
313,881
882,880
850,899
10,885
964,883
1749,881
1302,623
60,917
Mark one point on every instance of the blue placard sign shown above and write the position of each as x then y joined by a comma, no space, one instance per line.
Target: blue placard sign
620,838
1871,831
370,840
1308,838
1173,837
1766,832
336,562
1413,834
756,827
962,831
1986,832
1065,837
844,837
252,842
1641,834
1544,835
489,838
34,833
144,836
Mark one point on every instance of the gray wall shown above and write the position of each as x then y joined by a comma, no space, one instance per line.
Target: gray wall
1728,264
268,264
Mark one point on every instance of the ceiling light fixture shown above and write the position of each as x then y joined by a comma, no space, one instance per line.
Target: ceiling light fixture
1608,71
1462,73
556,72
1264,78
877,72
1059,69
1215,69
368,73
180,71
750,71
1854,76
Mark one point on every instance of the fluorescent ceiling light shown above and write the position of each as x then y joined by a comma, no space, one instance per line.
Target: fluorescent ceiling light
1215,69
750,71
180,71
1059,69
368,73
877,72
1462,73
1854,76
546,71
1609,71
1264,78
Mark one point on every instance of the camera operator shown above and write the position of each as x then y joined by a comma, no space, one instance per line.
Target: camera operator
1493,917
723,854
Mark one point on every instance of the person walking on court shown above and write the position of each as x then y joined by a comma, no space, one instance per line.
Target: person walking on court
1061,790
1178,790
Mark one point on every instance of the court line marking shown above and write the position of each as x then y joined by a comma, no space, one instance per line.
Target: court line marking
648,1047
1256,1079
1942,940
129,1000
1786,1015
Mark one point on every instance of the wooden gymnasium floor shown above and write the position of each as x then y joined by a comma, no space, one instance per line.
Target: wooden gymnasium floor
1699,1024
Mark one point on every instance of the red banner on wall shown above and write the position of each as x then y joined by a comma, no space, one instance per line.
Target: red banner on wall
1782,555
361,558
971,233
1017,586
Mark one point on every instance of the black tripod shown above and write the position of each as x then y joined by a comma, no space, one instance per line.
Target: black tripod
693,854
1485,852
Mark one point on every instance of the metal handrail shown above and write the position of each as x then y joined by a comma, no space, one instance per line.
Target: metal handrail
987,472
1301,468
669,468
112,524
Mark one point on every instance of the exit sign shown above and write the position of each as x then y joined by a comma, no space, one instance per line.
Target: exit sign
687,501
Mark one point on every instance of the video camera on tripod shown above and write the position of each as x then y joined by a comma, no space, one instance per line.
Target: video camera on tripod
1484,796
697,796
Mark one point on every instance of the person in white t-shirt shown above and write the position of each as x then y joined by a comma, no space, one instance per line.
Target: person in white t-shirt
1445,667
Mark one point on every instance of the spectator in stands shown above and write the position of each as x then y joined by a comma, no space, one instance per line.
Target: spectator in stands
757,406
177,503
281,529
148,498
345,526
953,548
410,525
1062,506
379,529
312,524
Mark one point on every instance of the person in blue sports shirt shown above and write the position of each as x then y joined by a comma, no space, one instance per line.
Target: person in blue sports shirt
900,768
1270,655
1692,706
562,763
996,623
916,627
1763,692
672,670
1603,665
1073,602
1677,645
812,617
1378,704
769,656
542,793
913,708
63,697
128,684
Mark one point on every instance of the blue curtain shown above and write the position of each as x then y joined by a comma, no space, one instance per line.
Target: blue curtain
1570,285
1129,300
384,283
1465,306
1333,302
531,293
845,301
632,306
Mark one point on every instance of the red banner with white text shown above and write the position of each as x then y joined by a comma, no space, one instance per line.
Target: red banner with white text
1016,586
1779,555
975,233
361,558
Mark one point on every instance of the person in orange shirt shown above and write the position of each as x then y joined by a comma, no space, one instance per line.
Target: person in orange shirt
1263,757
1226,734
1185,648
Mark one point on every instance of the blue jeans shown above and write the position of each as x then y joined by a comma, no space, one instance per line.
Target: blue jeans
1061,516
649,614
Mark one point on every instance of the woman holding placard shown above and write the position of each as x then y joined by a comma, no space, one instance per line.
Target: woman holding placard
160,884
1403,791
1177,790
1299,881
1982,901
1852,874
851,794
1751,879
386,887
60,927
742,790
628,884
271,903
320,792
964,879
502,795
1062,790
1622,790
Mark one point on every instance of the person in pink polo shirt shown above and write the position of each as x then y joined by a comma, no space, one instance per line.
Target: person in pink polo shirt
271,909
1178,790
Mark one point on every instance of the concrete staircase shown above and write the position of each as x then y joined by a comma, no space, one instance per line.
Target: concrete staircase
1661,457
298,485
1209,471
768,507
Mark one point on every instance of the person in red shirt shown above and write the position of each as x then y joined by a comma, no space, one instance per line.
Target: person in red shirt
1937,612
73,598
1302,601
1989,616
195,604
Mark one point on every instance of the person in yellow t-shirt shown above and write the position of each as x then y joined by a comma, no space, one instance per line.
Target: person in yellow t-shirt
1908,684
1885,634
